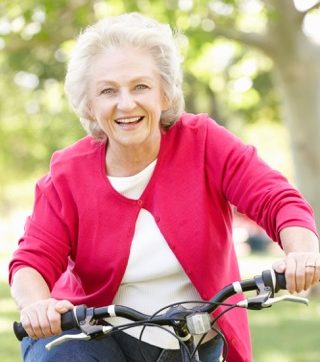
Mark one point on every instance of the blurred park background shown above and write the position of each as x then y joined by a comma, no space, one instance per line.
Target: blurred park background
253,65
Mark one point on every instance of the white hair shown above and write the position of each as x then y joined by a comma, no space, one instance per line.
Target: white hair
127,29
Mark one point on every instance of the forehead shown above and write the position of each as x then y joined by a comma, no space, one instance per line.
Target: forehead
125,63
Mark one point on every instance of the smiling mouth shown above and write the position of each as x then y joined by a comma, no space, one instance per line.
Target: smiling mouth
131,121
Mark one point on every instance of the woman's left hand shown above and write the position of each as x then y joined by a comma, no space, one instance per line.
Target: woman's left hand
302,270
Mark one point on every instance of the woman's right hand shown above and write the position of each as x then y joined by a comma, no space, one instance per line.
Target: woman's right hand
43,318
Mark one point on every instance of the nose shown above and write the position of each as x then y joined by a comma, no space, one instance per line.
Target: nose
126,101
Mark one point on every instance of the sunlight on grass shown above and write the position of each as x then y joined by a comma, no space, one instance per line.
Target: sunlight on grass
5,324
286,332
7,305
264,319
9,350
8,313
276,356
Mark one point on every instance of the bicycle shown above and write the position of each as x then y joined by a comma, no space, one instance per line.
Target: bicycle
186,322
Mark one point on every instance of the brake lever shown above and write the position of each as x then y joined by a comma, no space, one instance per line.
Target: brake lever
65,338
80,337
289,298
257,303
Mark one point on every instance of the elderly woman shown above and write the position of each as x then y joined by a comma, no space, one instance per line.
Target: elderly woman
138,212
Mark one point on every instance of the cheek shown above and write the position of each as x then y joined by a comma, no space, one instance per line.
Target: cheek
103,109
105,125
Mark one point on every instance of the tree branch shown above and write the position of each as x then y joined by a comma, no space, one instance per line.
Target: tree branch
313,7
252,39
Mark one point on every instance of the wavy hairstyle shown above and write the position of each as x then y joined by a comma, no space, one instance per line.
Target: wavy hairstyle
135,30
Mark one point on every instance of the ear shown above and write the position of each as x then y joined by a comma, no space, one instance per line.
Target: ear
90,111
165,103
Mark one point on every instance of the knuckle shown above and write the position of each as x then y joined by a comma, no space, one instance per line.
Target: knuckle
37,330
54,322
290,276
25,322
47,332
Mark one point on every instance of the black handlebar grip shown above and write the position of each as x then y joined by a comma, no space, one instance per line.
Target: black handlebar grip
68,321
274,280
280,281
19,331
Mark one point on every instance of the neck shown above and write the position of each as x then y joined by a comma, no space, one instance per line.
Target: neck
128,161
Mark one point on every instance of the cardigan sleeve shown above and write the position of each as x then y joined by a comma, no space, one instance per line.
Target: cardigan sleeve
45,245
252,186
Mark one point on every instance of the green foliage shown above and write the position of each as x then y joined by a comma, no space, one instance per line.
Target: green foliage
36,39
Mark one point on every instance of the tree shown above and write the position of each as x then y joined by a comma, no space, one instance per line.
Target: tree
296,60
36,38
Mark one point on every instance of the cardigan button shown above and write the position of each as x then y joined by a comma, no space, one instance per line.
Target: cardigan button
234,341
157,219
140,202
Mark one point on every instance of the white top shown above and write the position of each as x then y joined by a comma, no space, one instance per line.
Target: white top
154,278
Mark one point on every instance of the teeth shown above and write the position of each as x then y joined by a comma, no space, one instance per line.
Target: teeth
128,120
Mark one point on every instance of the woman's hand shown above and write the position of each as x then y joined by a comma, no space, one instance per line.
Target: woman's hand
302,270
43,318
302,262
40,314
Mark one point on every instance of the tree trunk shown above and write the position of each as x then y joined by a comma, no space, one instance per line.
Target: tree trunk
299,85
297,77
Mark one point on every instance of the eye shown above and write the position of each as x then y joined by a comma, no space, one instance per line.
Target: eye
108,91
141,86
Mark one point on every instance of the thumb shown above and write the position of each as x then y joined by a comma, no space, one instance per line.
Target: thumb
63,306
279,266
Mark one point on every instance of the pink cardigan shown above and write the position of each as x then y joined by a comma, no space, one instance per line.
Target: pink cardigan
79,234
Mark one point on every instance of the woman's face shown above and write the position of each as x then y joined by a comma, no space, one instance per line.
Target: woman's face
125,96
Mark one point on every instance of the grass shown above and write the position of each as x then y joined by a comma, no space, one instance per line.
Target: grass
287,332
9,346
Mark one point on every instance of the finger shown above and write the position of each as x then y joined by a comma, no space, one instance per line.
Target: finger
54,320
63,306
59,308
44,323
290,274
310,270
279,266
316,275
31,324
301,274
26,323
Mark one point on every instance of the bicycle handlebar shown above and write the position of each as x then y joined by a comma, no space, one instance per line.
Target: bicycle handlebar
268,282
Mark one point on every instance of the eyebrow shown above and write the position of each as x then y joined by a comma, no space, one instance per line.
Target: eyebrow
142,78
